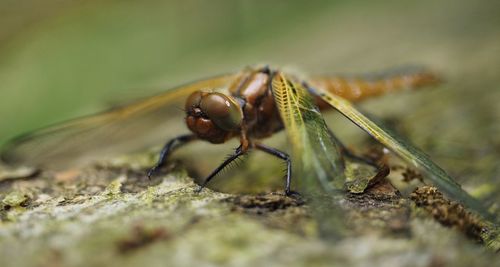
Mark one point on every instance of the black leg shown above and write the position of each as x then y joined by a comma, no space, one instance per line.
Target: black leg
348,153
169,147
283,156
382,169
237,153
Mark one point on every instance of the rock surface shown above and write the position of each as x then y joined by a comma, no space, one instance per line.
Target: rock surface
112,216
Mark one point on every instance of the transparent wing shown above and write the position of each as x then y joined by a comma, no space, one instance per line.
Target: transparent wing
405,150
142,124
315,156
318,169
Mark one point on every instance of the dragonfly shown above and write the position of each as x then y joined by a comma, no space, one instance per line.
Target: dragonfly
249,105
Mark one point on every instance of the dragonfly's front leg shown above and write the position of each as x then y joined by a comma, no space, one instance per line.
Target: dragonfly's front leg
237,153
169,147
283,156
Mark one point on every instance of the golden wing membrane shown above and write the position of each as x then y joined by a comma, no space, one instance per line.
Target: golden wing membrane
436,175
142,124
317,163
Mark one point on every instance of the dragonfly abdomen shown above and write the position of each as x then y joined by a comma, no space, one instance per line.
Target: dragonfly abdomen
359,88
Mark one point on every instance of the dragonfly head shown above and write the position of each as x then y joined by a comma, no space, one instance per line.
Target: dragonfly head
213,116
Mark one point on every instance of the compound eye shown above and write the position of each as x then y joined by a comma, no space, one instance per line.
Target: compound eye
193,100
223,110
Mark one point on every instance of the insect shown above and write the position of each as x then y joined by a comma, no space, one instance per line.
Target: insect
257,103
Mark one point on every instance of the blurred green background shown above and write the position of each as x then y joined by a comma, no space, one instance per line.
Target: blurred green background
61,59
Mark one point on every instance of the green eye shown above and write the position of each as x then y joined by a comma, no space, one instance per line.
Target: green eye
223,110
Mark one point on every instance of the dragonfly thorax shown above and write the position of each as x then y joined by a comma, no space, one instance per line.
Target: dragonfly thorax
213,116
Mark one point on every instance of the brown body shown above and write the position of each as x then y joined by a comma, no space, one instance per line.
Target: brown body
261,118
356,89
251,110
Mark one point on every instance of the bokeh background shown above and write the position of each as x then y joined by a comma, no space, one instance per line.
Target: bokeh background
62,59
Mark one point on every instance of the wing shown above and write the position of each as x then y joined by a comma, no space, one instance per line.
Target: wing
315,156
405,150
142,124
317,164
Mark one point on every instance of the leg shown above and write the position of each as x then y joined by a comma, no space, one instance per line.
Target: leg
348,153
283,156
382,169
237,153
168,148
